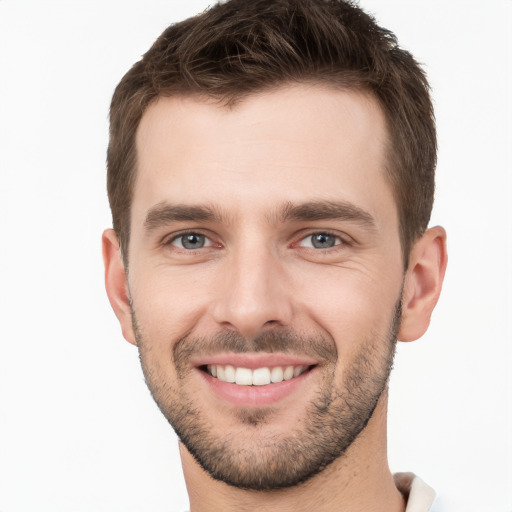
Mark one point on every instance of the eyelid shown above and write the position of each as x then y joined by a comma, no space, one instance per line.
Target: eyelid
343,238
177,241
308,239
172,237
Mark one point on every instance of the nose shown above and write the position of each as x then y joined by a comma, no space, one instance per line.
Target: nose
254,293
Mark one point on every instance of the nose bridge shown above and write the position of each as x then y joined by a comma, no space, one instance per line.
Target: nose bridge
253,293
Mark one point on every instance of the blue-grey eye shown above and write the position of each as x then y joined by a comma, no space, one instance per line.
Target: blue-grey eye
323,240
191,241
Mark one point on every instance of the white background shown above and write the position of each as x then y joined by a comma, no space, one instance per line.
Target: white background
78,429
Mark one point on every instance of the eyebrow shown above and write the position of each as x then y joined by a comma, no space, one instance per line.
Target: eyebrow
326,210
164,213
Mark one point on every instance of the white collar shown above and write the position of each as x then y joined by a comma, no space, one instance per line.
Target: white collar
418,494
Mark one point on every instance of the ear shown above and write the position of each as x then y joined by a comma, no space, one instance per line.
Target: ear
116,283
423,282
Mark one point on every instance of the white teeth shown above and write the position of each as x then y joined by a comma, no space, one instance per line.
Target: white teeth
261,377
288,373
243,376
276,375
229,373
258,377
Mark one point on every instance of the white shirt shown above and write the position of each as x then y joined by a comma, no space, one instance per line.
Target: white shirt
419,495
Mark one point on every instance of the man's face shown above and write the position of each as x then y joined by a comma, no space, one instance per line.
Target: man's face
265,246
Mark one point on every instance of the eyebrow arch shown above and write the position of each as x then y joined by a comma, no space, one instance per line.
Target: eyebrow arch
164,213
326,210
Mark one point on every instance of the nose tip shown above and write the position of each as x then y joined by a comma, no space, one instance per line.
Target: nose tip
251,313
253,298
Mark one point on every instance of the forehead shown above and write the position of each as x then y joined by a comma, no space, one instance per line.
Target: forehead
287,145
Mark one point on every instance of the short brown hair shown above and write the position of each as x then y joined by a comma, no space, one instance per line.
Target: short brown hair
240,47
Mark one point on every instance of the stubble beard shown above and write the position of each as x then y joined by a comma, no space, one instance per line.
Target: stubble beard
261,460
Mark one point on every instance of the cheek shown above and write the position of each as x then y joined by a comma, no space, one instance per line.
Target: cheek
351,306
168,303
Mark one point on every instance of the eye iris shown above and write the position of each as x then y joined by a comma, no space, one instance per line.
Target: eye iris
193,241
323,241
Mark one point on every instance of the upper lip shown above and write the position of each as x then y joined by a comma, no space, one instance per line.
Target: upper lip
254,360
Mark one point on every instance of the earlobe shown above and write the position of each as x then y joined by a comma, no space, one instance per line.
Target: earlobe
116,283
423,283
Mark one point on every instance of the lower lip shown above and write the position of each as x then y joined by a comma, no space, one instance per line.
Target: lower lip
255,396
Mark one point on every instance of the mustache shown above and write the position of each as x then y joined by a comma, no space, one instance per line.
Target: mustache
272,341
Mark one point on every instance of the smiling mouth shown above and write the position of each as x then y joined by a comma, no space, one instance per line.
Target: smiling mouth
257,377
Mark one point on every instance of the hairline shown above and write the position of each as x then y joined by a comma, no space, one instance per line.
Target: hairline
230,101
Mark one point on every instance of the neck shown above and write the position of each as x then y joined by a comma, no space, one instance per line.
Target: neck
359,481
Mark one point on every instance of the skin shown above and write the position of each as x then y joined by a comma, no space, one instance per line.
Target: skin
259,271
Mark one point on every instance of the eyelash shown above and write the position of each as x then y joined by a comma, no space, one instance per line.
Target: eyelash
169,241
340,241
